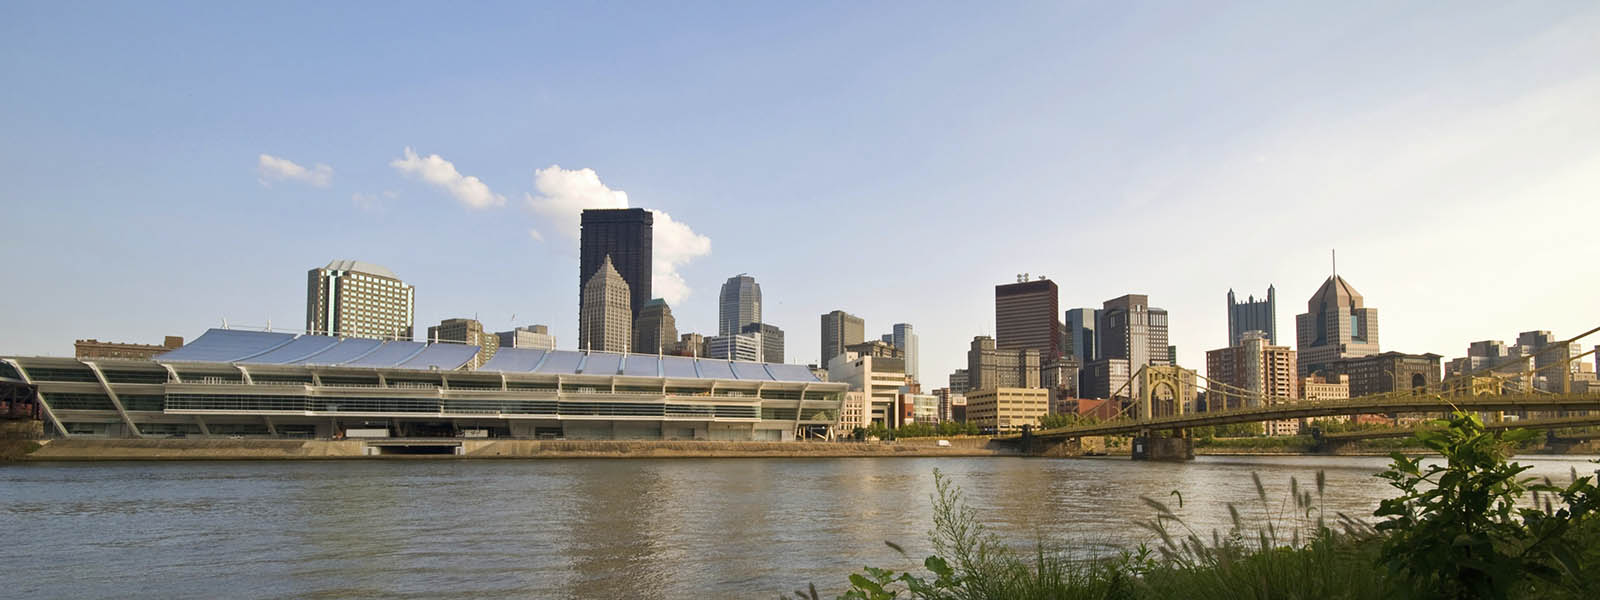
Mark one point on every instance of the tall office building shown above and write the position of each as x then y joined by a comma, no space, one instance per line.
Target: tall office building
1547,353
771,340
739,346
532,336
879,377
469,332
904,337
1103,377
989,367
605,321
739,305
1025,316
1132,330
1253,315
1336,325
960,381
840,329
625,236
1081,335
351,298
655,331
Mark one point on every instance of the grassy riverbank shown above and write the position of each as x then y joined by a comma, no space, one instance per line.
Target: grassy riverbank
1471,528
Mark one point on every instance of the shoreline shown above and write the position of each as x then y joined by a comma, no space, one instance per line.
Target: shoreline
91,450
94,450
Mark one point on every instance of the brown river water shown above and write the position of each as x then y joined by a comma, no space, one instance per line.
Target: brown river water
588,528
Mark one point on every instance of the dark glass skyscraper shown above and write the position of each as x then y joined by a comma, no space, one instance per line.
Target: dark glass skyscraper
626,235
1025,317
1253,315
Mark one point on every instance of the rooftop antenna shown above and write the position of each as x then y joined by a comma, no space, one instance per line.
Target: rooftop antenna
269,324
1334,253
224,322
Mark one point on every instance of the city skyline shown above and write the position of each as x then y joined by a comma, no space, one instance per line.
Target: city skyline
434,202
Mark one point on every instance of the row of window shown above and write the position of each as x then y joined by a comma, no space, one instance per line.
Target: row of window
237,402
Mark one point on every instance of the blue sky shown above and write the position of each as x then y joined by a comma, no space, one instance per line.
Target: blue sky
895,160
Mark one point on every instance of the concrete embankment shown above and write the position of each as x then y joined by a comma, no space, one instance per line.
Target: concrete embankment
251,449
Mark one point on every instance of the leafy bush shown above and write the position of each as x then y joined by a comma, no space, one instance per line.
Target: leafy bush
1456,531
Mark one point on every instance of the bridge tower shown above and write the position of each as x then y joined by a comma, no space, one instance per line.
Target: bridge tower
1164,391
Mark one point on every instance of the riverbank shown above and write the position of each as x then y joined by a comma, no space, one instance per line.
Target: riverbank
80,449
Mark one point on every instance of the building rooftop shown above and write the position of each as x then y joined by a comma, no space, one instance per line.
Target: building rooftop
361,267
269,348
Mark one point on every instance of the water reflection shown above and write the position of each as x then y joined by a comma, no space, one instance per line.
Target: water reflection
590,528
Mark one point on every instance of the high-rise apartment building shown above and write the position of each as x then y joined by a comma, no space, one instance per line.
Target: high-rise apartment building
1336,325
1080,334
840,329
1253,315
655,331
739,305
469,332
1132,330
1025,316
351,298
771,340
535,337
1253,371
989,367
604,321
625,238
904,337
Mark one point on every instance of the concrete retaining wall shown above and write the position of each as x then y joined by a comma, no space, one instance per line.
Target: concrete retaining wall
203,449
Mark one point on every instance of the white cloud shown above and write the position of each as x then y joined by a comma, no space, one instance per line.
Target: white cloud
534,233
434,169
367,202
271,168
675,245
562,196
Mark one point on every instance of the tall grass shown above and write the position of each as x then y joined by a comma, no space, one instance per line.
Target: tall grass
1294,551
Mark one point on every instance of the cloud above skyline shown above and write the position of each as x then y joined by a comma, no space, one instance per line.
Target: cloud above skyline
563,194
435,170
271,168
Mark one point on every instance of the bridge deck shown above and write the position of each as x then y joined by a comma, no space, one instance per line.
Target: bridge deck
1331,408
1400,432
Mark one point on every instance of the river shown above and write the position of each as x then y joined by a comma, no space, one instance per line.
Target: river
600,528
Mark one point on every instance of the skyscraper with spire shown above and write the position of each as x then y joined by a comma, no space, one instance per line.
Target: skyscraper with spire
605,320
1337,324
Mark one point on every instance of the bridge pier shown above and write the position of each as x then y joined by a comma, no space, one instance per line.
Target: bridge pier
1148,447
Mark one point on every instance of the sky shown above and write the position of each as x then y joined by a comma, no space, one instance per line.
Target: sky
166,167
